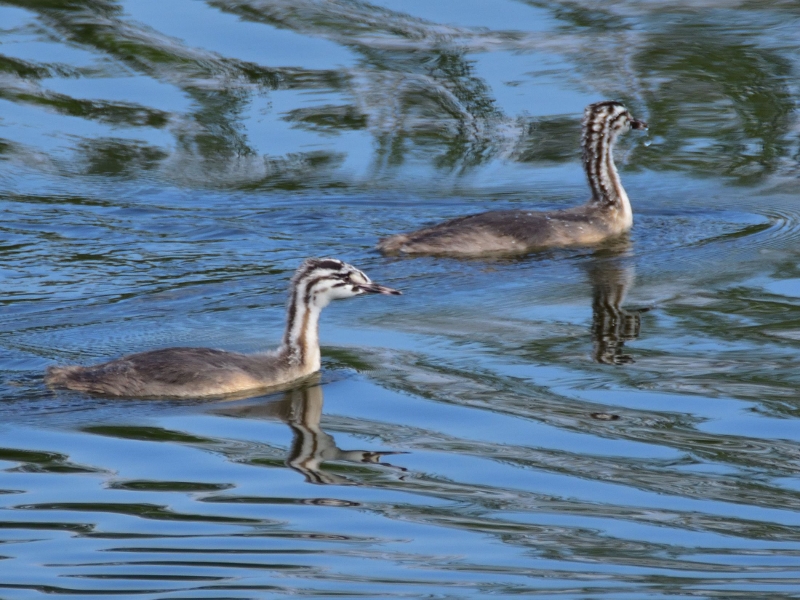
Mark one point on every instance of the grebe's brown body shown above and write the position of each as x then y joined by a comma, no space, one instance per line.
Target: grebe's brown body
194,372
606,215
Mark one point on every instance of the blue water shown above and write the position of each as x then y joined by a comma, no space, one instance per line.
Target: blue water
616,422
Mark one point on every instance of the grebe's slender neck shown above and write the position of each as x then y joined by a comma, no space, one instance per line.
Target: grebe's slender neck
300,343
599,136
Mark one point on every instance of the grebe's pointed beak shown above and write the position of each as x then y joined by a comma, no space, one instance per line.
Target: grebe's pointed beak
637,124
374,288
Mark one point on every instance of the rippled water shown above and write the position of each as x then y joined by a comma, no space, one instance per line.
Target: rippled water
617,422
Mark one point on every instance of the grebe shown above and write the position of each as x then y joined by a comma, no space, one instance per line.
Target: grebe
181,372
608,212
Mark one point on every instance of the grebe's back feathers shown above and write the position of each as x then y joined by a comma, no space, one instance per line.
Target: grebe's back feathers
162,372
501,231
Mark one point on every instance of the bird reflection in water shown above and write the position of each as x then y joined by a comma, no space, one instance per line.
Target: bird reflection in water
612,325
301,409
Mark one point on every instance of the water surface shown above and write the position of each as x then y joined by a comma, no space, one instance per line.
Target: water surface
615,422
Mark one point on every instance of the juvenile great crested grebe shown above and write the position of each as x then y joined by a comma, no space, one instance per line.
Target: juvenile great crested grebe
207,372
607,214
